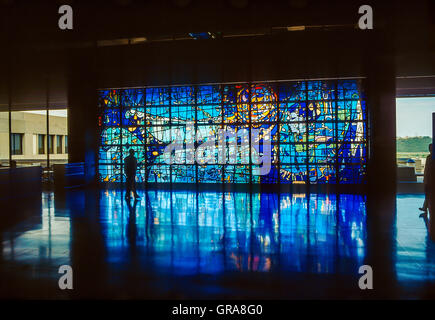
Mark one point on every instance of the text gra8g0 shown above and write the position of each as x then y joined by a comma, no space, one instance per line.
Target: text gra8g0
239,309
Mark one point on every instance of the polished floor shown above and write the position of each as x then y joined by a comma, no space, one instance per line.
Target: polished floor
215,245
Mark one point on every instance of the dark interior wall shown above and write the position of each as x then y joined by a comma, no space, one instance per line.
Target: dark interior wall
279,57
73,66
31,78
381,100
82,115
112,19
33,45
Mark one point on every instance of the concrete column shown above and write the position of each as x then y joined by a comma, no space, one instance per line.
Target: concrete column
381,201
82,115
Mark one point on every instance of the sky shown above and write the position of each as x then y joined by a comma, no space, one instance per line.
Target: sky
414,116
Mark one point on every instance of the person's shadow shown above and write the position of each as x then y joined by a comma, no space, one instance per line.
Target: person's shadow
131,225
429,220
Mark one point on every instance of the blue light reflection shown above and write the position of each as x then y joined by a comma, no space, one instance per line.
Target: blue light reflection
208,233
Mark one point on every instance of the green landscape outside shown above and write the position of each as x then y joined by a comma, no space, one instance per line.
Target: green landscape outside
414,131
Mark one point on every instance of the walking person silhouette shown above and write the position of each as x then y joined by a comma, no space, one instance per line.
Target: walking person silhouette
427,182
130,167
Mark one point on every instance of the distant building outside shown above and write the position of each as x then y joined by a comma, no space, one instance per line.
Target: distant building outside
29,140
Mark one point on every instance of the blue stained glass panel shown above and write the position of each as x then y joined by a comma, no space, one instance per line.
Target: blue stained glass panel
316,129
157,96
111,117
210,173
208,94
293,153
182,96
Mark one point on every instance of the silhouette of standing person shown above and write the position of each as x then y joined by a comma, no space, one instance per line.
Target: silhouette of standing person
427,182
130,167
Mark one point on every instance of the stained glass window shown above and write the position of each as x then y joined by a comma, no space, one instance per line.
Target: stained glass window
312,132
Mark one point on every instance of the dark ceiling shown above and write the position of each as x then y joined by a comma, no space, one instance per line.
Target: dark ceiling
36,54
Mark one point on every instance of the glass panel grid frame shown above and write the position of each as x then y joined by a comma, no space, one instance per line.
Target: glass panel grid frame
318,132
